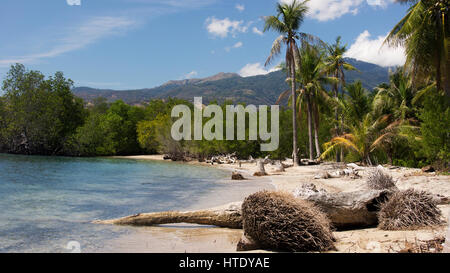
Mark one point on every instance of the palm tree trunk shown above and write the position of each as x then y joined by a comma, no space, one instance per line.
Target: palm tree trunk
316,134
447,73
438,72
336,116
294,112
309,109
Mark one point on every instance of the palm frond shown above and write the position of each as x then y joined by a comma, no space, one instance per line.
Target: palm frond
282,96
276,50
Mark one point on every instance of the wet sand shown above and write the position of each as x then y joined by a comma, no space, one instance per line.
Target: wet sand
181,238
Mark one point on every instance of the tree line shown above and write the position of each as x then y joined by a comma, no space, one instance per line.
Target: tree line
402,122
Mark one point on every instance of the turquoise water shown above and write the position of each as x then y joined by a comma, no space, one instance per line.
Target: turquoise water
46,202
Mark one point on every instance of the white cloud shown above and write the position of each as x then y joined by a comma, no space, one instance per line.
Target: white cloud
324,10
371,50
240,7
257,31
380,3
74,2
190,75
77,38
221,28
256,69
236,45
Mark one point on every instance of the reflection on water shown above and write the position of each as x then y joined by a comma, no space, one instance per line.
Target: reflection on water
46,202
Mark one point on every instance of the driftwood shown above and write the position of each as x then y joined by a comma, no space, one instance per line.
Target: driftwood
261,170
346,210
308,162
349,172
228,217
447,239
223,159
237,176
279,167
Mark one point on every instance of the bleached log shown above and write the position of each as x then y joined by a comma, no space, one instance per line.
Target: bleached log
345,210
228,217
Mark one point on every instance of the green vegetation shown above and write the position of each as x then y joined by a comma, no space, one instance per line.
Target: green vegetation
404,121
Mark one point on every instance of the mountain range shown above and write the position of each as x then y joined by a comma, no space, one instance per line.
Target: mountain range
262,89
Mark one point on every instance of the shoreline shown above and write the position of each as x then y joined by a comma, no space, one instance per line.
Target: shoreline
181,238
193,238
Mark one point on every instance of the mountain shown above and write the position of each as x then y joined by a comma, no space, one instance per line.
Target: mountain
263,89
220,76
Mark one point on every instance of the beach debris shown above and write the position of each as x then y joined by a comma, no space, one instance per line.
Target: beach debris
351,173
428,169
346,210
355,167
324,175
379,180
308,162
223,159
278,221
279,167
261,170
440,199
228,216
237,176
409,209
447,240
306,190
435,245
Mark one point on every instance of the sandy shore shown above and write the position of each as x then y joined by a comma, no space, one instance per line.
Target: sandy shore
192,238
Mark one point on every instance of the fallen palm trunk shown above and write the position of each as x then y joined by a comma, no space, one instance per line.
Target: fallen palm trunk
228,217
348,210
345,210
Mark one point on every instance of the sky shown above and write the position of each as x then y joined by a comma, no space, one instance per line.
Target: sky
132,44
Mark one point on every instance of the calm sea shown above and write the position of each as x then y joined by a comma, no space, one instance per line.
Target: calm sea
47,202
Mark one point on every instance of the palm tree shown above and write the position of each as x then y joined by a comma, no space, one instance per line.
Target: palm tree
397,98
364,138
336,65
311,78
356,103
311,81
425,33
287,22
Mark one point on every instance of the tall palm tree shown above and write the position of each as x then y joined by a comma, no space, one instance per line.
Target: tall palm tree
287,22
425,33
311,78
311,81
336,65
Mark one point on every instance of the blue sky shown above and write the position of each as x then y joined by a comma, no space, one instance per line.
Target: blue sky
130,44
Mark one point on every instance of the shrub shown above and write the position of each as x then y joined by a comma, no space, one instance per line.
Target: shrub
279,221
409,209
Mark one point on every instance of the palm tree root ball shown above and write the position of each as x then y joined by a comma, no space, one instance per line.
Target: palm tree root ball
279,221
409,209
